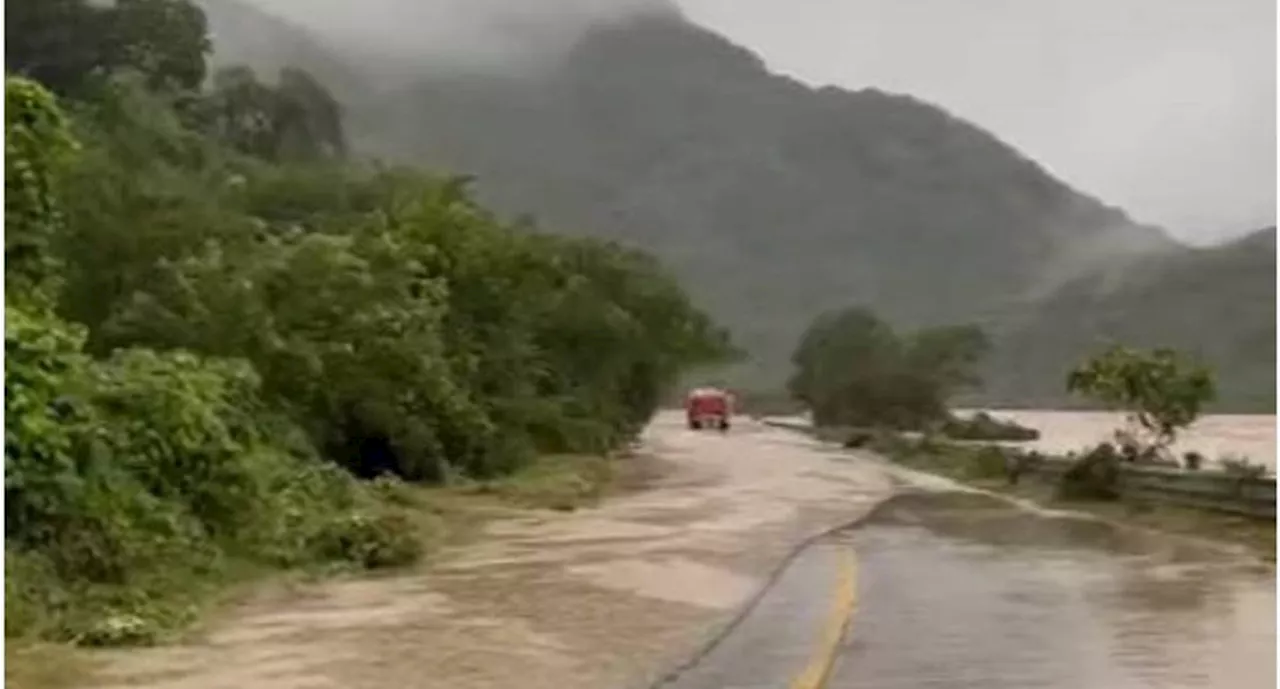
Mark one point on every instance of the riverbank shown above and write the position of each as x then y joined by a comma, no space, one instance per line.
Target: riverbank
1214,436
985,467
610,596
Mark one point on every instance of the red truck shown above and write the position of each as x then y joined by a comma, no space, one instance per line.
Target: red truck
708,408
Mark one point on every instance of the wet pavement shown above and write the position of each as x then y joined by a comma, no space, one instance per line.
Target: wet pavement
957,594
962,591
776,642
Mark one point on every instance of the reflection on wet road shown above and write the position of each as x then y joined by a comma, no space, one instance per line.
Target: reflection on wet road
958,592
964,592
776,642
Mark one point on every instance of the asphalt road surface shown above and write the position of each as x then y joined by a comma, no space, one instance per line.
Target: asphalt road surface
961,591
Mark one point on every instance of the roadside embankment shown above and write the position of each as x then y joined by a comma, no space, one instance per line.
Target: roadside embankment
603,597
1233,508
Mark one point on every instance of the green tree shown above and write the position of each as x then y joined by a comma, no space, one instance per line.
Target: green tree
949,355
296,120
139,167
59,43
70,45
165,40
310,118
851,368
1161,390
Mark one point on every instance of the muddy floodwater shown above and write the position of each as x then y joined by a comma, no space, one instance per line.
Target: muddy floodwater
961,592
1249,435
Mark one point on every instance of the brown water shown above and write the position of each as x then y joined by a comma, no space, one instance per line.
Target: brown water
1250,435
991,598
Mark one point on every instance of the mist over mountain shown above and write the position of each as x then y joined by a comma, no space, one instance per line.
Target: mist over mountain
1217,302
406,38
770,199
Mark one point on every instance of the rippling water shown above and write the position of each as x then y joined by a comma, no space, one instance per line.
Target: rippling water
1251,435
989,598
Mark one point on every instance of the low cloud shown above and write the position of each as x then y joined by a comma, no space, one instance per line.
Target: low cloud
503,35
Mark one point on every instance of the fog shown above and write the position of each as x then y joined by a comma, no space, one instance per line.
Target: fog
488,35
1166,108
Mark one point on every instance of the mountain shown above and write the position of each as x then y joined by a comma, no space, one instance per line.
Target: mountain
1218,303
771,200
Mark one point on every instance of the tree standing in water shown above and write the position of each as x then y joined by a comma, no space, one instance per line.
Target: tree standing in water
1161,391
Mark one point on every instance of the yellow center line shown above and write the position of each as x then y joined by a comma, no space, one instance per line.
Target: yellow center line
844,601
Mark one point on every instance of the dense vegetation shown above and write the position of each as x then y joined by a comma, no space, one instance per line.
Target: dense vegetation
775,201
217,325
852,369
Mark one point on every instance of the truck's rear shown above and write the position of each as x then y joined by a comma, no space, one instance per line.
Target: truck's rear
708,408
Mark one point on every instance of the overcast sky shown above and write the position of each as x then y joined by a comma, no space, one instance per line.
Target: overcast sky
1164,107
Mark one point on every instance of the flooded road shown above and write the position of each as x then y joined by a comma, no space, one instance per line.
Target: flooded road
960,592
612,596
945,591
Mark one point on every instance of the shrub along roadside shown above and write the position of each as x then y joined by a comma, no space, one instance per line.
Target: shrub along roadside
137,484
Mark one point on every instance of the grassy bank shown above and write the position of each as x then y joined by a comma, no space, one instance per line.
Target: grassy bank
439,517
985,467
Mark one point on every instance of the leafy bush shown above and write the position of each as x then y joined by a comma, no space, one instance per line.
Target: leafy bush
37,145
1093,476
987,462
373,540
131,480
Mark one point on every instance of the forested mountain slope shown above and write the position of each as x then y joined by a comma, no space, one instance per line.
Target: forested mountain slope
770,199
